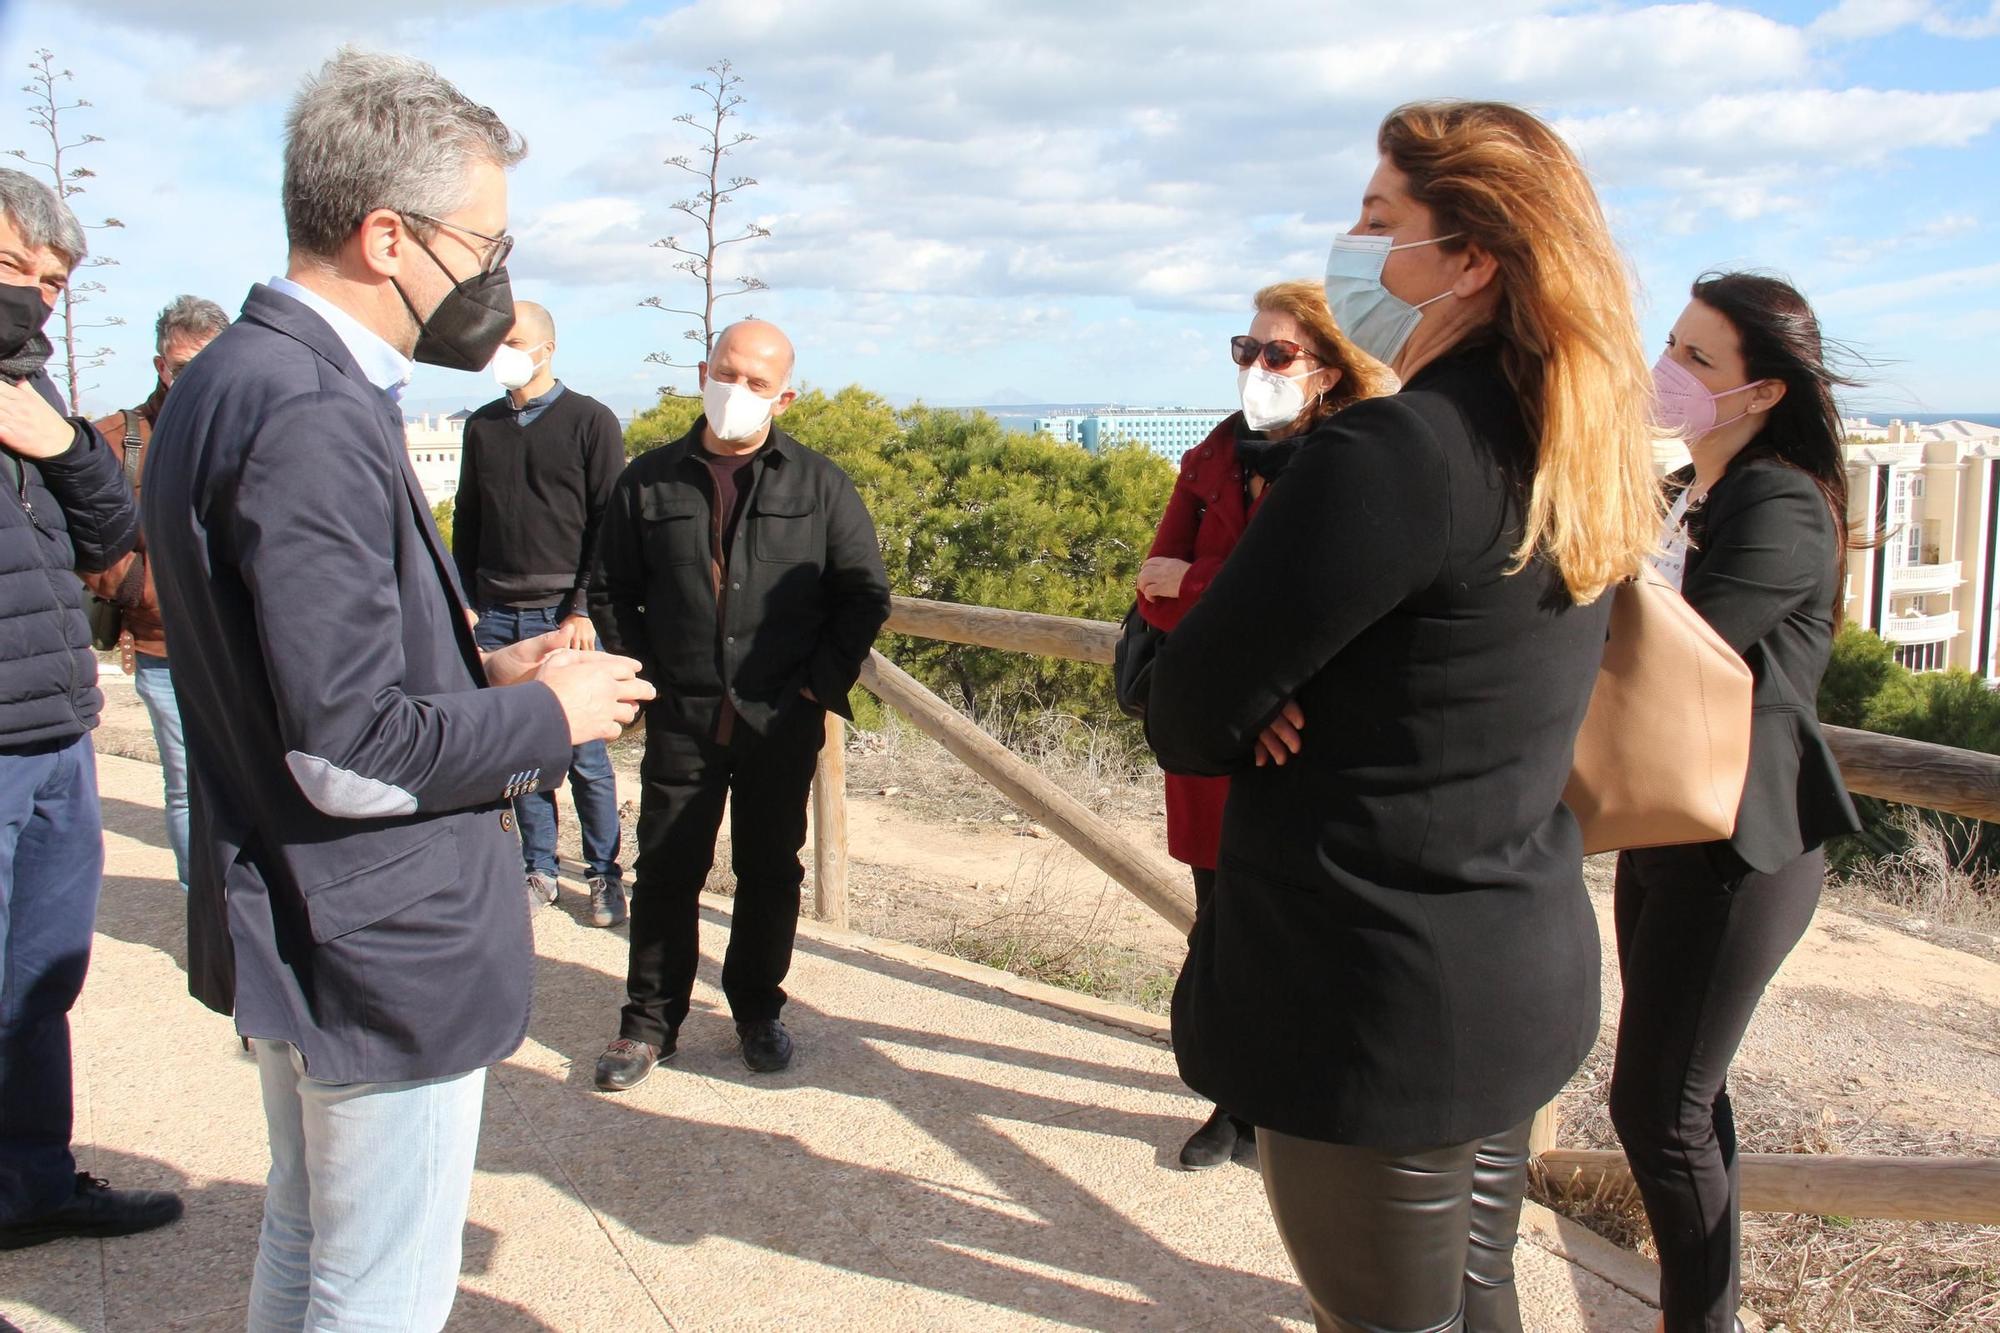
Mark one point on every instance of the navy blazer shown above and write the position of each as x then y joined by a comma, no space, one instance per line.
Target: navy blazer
355,885
1763,568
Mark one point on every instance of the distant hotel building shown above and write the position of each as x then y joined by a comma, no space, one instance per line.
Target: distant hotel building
1168,431
435,444
1929,498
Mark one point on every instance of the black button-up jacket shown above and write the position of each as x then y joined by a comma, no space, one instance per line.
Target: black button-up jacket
795,604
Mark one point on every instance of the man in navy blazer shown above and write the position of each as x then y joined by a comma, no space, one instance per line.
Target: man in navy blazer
355,894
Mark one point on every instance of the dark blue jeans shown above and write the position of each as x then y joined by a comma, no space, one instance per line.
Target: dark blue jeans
591,783
51,866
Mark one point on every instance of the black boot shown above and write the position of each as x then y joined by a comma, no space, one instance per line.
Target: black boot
1221,1137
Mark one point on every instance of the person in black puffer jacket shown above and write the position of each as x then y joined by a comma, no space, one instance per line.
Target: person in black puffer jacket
68,507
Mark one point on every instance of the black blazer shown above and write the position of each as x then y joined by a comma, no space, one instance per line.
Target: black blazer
355,882
1399,951
1763,568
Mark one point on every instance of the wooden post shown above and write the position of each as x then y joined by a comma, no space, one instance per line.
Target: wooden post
1148,877
829,808
1912,1189
1542,1131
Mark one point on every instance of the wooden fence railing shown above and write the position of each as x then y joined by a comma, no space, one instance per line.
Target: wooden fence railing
1938,777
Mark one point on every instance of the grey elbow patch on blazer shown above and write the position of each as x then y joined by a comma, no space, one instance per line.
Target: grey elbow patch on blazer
344,795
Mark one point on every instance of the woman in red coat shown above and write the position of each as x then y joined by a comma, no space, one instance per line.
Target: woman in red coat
1296,369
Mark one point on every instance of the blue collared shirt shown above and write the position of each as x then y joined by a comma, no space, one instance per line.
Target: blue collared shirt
383,366
534,407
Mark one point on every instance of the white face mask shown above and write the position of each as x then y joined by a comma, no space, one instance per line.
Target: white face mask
734,411
1269,399
514,368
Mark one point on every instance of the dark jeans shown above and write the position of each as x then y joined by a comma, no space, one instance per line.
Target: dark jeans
591,783
1401,1242
51,867
683,784
1699,937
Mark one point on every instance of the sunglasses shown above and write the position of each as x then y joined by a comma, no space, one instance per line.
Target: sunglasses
1276,354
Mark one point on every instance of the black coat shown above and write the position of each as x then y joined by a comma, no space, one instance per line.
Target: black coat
1763,568
70,513
1399,951
803,598
355,881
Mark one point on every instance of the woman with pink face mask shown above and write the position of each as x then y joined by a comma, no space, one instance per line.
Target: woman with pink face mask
1756,540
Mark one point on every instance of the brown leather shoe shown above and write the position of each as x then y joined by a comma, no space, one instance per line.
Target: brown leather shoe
625,1063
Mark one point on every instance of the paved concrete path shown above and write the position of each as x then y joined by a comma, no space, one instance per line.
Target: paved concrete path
950,1150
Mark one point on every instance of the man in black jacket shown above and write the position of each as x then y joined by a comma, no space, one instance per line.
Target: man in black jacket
67,508
741,569
534,477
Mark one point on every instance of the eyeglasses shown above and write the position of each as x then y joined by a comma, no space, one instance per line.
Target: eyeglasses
1276,354
497,247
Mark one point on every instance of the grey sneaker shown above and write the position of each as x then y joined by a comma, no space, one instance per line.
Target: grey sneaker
607,901
541,889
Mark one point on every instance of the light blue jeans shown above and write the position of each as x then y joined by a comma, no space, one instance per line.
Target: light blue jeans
365,1208
155,688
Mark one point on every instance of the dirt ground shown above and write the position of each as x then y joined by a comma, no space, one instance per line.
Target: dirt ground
1876,1037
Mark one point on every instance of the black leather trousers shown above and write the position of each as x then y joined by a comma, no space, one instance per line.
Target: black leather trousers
1419,1242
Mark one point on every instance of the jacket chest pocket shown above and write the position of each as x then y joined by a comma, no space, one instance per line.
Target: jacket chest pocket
782,528
675,529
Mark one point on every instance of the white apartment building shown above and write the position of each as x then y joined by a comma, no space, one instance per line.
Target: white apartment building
1928,499
435,444
1168,431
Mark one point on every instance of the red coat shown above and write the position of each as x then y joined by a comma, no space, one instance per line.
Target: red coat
1204,521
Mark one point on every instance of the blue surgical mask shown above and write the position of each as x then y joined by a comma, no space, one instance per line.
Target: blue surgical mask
1376,320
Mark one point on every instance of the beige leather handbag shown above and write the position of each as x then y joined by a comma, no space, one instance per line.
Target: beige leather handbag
1665,747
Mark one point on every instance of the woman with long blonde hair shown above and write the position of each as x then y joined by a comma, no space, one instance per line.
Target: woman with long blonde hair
1399,963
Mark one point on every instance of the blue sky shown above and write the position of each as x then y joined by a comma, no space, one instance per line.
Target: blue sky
1070,202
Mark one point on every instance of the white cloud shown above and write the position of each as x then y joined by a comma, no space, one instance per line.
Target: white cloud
1911,292
1856,20
1853,20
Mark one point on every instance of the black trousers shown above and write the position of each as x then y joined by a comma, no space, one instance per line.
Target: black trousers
683,783
1204,889
1417,1242
1700,935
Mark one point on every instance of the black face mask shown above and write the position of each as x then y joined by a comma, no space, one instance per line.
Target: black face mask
469,324
24,348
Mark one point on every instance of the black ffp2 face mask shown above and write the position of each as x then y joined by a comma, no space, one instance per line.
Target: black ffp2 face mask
470,322
24,348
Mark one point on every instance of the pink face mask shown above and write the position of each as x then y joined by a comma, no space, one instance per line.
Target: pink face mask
1683,405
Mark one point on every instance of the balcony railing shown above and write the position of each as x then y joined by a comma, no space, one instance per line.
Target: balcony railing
1928,577
1921,629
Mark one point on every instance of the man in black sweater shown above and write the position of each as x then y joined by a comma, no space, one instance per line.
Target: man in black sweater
537,469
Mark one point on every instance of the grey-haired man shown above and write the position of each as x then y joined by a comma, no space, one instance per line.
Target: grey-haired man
67,507
354,894
183,329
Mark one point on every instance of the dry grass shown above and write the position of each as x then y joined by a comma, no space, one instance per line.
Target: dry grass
1838,1274
1933,880
1095,764
1037,940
